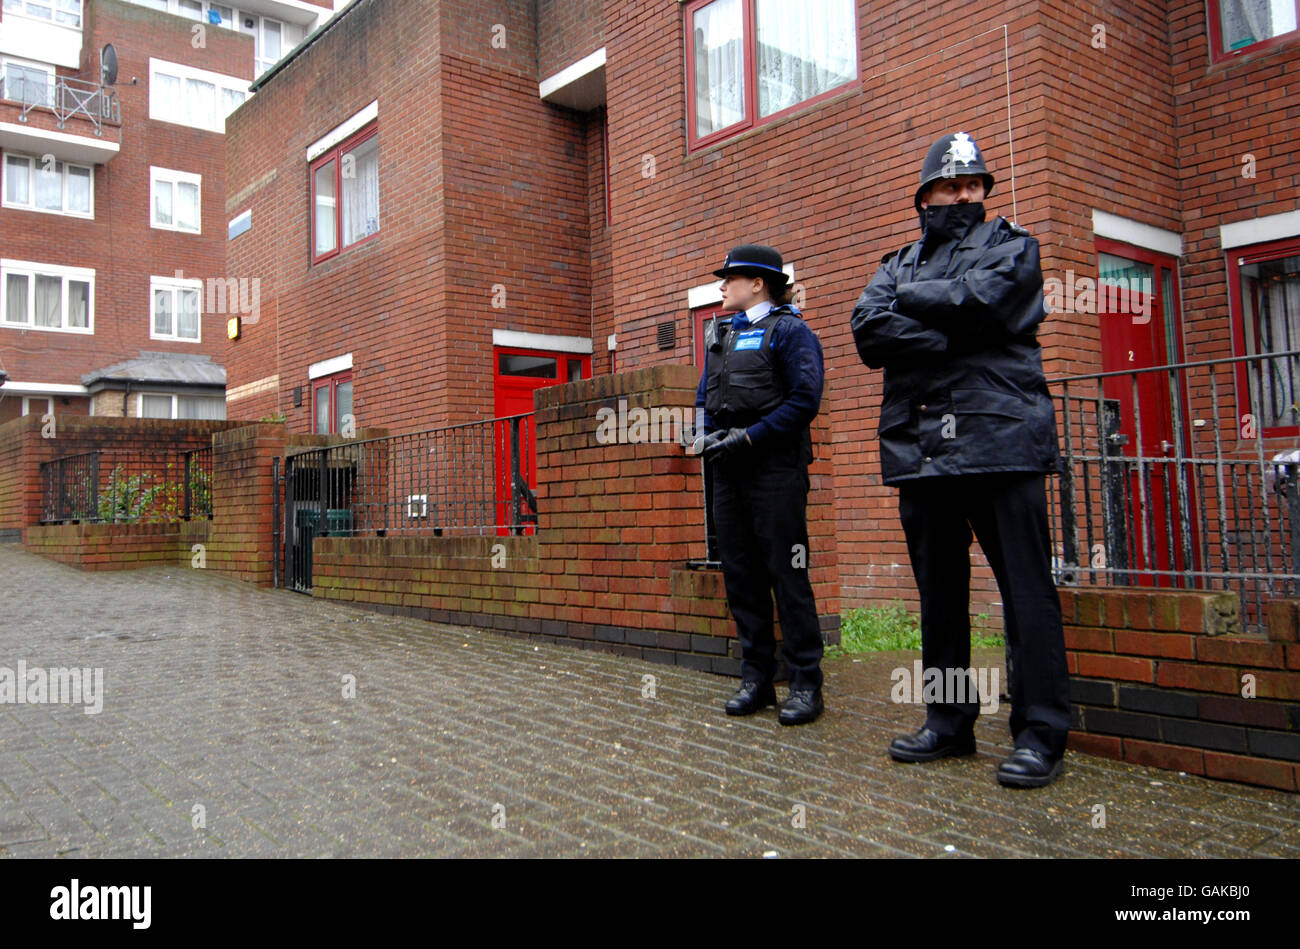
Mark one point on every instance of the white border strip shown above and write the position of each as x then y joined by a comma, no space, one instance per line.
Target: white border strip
354,124
328,367
1260,230
571,74
98,148
1116,228
252,388
542,341
710,294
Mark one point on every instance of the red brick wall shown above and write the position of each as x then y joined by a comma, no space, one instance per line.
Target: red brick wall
1160,678
119,546
617,524
241,542
118,243
567,30
23,449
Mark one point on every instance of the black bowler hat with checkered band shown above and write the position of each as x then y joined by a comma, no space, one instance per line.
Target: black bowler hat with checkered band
755,260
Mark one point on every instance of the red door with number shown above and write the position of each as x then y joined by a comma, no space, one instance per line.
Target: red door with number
1137,305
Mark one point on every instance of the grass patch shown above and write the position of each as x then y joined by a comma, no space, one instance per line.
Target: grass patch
881,628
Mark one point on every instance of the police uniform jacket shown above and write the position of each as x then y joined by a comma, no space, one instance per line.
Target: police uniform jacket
766,378
953,320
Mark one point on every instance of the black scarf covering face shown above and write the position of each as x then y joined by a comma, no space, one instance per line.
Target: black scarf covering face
945,222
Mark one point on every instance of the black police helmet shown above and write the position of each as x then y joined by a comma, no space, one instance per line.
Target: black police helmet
755,260
953,155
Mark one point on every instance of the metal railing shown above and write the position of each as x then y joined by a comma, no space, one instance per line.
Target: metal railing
123,486
476,478
65,98
1166,480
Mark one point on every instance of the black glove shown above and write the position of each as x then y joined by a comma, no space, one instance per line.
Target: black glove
719,444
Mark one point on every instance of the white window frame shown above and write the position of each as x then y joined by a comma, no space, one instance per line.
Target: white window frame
175,284
31,177
29,399
172,177
186,74
52,5
176,402
65,274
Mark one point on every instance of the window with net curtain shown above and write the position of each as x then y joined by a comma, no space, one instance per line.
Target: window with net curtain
1245,22
1270,292
800,51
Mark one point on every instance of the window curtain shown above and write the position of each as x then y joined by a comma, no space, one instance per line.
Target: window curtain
16,289
361,191
201,103
49,186
719,66
324,214
187,206
1249,21
803,50
1279,332
200,407
49,300
79,304
166,97
188,315
18,173
162,203
79,190
162,312
156,406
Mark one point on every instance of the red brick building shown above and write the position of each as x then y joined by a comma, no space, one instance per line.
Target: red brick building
443,194
113,222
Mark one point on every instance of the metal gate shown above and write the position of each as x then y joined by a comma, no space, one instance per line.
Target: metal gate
319,488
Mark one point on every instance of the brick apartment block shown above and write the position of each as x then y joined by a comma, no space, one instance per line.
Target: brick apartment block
443,194
83,216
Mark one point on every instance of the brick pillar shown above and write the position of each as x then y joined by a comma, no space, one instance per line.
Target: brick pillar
240,544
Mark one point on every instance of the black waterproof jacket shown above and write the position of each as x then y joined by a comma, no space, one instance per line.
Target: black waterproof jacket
953,320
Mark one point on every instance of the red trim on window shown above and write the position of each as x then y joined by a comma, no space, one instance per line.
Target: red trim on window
751,120
1215,31
335,155
1236,259
330,385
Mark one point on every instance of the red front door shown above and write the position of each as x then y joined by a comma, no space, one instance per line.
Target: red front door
1137,305
517,374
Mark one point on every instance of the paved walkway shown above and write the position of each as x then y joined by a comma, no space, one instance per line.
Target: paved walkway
226,702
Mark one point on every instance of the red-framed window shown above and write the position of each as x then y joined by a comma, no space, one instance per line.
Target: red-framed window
344,184
704,328
751,62
1246,26
331,403
1264,292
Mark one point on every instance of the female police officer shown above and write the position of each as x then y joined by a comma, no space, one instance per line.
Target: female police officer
761,388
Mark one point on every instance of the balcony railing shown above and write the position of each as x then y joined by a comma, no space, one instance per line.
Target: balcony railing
65,98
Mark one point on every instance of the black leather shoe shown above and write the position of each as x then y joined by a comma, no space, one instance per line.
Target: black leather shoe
750,697
927,745
801,707
1026,768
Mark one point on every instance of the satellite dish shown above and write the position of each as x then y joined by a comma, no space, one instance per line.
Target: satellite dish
108,65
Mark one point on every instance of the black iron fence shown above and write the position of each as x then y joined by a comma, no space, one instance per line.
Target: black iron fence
124,486
1182,476
476,478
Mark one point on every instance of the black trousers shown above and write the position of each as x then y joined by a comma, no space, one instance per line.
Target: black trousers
1008,513
759,509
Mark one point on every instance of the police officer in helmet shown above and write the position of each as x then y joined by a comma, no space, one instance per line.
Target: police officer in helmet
968,435
760,390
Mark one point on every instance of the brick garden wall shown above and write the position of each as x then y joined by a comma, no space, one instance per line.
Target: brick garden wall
1157,678
607,567
119,546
